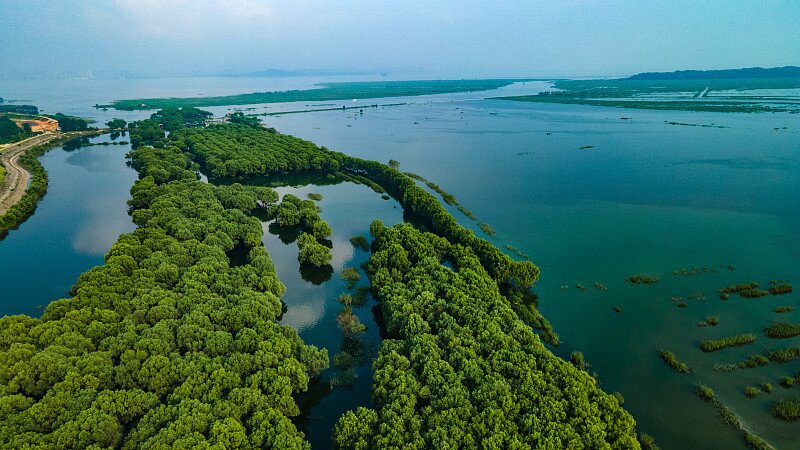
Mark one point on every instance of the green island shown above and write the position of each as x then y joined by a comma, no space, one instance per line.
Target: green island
174,340
325,92
713,91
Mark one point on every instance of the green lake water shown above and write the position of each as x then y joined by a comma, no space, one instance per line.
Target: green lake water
648,197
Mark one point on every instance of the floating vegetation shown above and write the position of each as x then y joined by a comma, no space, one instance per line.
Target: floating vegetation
581,288
713,345
784,309
599,286
725,292
781,330
673,361
780,289
710,321
784,355
753,293
643,279
351,275
724,367
360,242
486,228
585,147
754,361
314,196
751,391
786,409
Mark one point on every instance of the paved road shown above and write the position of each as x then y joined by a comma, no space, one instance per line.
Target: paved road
16,180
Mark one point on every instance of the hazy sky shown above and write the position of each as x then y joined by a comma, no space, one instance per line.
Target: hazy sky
437,38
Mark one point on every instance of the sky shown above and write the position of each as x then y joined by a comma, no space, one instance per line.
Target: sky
431,39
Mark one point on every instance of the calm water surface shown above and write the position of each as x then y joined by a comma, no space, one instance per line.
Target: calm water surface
647,197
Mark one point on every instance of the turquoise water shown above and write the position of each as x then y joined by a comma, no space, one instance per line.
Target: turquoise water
647,197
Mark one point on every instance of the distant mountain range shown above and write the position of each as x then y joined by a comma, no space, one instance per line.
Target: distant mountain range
750,72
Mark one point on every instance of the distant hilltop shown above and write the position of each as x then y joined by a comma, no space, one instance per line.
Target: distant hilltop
751,72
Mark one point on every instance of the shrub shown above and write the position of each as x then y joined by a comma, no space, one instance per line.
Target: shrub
673,362
643,279
754,361
784,309
314,196
780,330
780,289
360,242
710,321
786,409
751,391
351,275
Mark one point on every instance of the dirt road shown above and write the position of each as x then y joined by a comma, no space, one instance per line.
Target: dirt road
16,180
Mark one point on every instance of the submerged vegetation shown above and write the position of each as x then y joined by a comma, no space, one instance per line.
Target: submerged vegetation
713,345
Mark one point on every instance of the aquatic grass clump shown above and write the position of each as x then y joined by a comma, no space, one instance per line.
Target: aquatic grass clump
783,309
784,355
754,361
781,330
710,321
643,279
674,362
725,292
753,293
713,345
780,289
788,409
751,391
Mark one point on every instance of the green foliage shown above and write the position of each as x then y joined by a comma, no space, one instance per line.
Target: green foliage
351,275
788,409
751,391
767,387
783,309
753,293
10,132
713,345
647,442
360,242
577,360
19,109
710,321
461,370
166,345
173,119
780,289
312,252
784,355
146,132
780,330
70,123
240,118
673,361
706,393
754,361
314,196
327,92
349,323
117,124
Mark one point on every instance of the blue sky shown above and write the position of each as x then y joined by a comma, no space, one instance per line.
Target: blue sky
430,38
